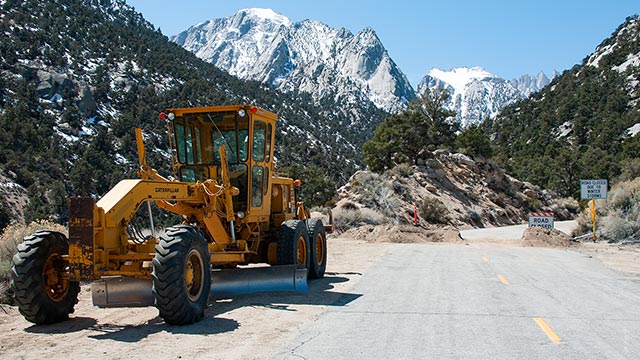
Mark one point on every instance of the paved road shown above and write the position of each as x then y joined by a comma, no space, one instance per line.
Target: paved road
482,301
511,232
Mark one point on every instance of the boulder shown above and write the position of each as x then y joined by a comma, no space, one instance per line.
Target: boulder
431,188
530,193
440,152
434,164
463,159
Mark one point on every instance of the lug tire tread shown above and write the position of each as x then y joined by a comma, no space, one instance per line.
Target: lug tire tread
27,281
169,290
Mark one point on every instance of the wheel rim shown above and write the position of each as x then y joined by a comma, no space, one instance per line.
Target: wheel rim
56,285
302,250
194,275
320,249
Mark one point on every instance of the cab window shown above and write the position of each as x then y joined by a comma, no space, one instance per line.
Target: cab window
232,132
188,147
257,174
259,133
268,142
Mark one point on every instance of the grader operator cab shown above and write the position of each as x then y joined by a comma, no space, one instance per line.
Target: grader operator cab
236,211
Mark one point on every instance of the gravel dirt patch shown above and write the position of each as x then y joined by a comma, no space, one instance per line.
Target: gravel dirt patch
403,234
542,237
244,327
251,326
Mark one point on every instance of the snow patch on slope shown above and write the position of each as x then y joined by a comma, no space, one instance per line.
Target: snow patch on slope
460,78
634,130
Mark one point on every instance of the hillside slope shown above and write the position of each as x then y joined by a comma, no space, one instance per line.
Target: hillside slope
447,189
333,65
584,125
76,76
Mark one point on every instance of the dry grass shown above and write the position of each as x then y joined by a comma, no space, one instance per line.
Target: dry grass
9,240
618,216
347,218
622,220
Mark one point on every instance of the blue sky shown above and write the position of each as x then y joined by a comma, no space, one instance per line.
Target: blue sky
508,38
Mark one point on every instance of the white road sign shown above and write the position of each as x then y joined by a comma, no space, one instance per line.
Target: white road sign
593,189
541,219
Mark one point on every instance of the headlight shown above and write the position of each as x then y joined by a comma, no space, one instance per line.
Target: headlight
171,116
240,215
242,113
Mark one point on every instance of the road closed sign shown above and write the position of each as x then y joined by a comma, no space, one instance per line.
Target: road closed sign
593,189
541,219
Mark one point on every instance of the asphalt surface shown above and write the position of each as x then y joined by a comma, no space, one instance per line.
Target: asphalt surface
513,232
479,301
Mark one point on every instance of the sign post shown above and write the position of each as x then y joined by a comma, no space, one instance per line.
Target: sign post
591,190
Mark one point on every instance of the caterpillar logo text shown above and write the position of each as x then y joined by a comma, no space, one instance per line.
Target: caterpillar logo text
166,190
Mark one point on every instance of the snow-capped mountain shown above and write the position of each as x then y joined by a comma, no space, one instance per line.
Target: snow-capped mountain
81,95
476,94
308,56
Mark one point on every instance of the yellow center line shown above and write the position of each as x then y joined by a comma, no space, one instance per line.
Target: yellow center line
503,279
485,259
547,330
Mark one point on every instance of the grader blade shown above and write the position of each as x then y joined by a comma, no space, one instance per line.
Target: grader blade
258,279
120,291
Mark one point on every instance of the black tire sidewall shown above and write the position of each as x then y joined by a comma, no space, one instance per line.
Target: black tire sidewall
169,287
287,243
28,283
316,227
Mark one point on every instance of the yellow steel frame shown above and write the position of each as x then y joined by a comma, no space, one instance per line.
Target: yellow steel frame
208,204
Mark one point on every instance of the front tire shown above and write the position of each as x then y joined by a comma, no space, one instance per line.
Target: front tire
182,275
40,283
318,242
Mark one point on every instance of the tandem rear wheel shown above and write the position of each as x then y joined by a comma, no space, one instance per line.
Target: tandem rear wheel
303,243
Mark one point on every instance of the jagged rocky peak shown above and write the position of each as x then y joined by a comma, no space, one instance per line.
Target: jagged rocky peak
309,56
528,84
476,94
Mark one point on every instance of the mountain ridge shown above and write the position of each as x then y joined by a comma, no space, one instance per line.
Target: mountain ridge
333,64
280,52
81,74
583,125
477,94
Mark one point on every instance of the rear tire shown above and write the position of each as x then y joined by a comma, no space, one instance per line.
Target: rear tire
182,275
41,287
318,242
293,244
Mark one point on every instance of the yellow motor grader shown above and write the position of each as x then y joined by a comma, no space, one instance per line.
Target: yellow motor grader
235,211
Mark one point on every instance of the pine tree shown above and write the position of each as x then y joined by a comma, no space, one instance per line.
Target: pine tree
474,141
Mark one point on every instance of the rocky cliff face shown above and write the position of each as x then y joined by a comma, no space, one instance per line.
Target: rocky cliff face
331,64
477,94
527,84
